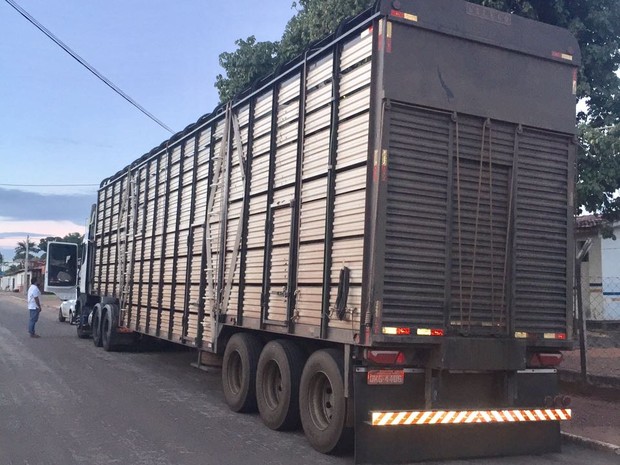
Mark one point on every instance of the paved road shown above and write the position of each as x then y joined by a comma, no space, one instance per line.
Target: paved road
65,402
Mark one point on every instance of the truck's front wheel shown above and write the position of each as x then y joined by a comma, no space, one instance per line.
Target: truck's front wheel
239,372
96,324
323,406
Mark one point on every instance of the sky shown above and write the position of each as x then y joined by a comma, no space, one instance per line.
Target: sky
62,126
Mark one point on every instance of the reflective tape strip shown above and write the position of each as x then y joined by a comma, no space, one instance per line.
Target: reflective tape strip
445,417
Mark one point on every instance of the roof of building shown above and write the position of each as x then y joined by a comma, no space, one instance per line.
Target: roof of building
588,221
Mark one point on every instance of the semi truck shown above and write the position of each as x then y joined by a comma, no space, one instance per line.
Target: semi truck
376,240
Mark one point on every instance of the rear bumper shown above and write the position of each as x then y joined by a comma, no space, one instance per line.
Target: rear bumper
456,415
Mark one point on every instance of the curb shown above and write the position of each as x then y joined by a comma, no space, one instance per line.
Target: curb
604,382
590,443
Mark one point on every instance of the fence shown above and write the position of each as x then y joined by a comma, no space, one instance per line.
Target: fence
601,298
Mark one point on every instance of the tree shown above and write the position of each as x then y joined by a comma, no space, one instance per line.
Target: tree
1,258
314,20
43,244
74,237
252,60
249,62
20,251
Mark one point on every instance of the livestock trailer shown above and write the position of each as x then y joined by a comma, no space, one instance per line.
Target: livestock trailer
377,238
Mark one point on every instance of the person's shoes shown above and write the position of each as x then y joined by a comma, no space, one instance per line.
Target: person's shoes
34,335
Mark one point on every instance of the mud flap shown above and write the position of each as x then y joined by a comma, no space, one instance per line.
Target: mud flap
404,444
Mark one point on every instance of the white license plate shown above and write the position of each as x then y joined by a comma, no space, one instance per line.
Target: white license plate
385,377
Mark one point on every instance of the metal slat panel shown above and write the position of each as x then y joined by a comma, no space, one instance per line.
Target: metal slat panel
355,103
350,213
356,50
352,141
541,232
318,120
289,90
318,97
355,79
310,270
312,220
414,283
319,72
286,165
316,154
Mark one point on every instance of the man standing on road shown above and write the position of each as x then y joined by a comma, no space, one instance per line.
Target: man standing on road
34,306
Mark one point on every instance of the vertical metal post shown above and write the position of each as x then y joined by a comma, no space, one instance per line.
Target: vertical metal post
331,190
147,183
26,285
246,210
583,343
203,259
164,240
296,206
177,223
149,301
189,273
264,304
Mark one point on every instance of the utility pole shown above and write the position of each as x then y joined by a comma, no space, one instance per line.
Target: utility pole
26,283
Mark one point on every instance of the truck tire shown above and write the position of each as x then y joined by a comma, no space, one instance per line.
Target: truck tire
81,317
60,317
323,407
81,332
239,372
108,328
96,323
277,384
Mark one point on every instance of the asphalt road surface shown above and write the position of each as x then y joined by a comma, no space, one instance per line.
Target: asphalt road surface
64,401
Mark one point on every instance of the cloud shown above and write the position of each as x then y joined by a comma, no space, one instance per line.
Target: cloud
13,232
17,205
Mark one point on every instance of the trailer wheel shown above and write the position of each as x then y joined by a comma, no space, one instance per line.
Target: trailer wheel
60,317
96,324
239,372
107,329
322,402
277,384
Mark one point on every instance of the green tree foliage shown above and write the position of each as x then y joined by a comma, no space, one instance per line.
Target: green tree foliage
249,62
1,258
44,241
315,19
20,251
252,60
598,166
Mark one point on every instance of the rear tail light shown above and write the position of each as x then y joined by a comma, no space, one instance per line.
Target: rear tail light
385,357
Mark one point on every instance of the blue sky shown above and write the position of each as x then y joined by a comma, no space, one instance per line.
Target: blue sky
61,125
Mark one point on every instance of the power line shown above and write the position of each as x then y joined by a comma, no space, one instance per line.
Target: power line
49,185
84,63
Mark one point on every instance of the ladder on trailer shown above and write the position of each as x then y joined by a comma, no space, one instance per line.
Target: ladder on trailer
127,217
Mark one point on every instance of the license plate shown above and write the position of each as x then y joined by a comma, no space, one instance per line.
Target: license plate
385,377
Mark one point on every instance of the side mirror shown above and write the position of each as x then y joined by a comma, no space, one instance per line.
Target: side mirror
61,276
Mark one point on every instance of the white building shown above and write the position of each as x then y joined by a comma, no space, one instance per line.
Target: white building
600,269
14,282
